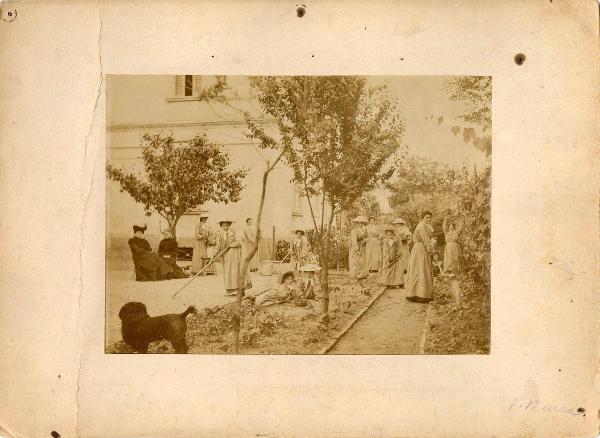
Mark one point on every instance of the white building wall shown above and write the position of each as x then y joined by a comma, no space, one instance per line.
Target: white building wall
141,104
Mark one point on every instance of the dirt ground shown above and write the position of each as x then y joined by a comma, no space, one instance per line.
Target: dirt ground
459,327
392,325
203,292
279,329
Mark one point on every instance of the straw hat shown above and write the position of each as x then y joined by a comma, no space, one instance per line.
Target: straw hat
222,221
311,267
283,275
294,231
389,228
399,221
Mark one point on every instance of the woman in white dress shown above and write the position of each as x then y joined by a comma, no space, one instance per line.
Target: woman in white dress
419,284
231,258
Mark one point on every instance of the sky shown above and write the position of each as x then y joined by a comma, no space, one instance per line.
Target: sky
420,98
429,117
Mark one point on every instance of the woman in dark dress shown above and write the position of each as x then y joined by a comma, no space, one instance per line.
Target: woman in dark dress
148,265
167,250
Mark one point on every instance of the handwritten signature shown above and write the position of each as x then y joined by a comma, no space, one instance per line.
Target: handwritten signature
525,405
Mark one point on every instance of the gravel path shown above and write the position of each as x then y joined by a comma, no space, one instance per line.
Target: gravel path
392,325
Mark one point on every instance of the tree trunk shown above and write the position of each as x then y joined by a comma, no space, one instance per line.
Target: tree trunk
237,308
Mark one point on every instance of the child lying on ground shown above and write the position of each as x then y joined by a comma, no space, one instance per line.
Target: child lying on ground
290,290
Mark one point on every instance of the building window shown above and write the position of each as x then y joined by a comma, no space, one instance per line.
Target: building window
188,85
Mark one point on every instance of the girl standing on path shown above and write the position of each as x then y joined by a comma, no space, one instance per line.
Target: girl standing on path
403,237
373,247
419,284
452,252
389,259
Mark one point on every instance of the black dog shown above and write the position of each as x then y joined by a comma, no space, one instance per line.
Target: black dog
139,329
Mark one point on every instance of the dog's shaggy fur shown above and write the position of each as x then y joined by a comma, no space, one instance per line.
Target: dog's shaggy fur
139,329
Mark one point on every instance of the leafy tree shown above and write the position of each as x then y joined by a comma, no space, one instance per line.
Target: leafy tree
474,208
421,179
476,93
367,204
337,134
179,177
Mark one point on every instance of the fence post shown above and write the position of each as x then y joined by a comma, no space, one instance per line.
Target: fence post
274,245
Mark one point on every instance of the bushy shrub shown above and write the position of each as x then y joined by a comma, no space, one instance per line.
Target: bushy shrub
282,249
338,253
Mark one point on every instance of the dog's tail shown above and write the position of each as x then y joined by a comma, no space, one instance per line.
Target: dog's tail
189,310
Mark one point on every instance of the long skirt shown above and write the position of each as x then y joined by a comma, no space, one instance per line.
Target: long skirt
452,258
150,267
360,264
200,258
172,262
402,265
232,260
373,254
253,266
387,273
398,273
419,281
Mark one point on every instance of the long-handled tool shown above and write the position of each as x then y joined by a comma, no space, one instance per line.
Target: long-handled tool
201,271
360,280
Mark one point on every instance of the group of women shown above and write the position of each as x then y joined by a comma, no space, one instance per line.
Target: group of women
225,247
401,258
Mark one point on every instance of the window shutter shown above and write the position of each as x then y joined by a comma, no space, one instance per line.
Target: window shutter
197,85
179,85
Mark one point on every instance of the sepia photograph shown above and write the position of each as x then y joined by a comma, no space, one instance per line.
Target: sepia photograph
298,214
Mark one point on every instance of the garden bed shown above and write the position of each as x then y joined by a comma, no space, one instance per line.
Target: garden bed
278,329
459,328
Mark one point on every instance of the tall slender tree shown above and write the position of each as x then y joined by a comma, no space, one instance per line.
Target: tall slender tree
339,135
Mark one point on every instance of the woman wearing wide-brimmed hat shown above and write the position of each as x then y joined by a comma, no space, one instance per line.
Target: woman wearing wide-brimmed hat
419,281
200,255
278,294
356,248
299,249
231,258
373,246
403,237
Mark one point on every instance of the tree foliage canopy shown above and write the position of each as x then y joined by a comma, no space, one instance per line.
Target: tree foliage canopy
338,133
179,177
476,93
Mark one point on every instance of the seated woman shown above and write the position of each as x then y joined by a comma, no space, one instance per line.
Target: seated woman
167,250
148,265
280,294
